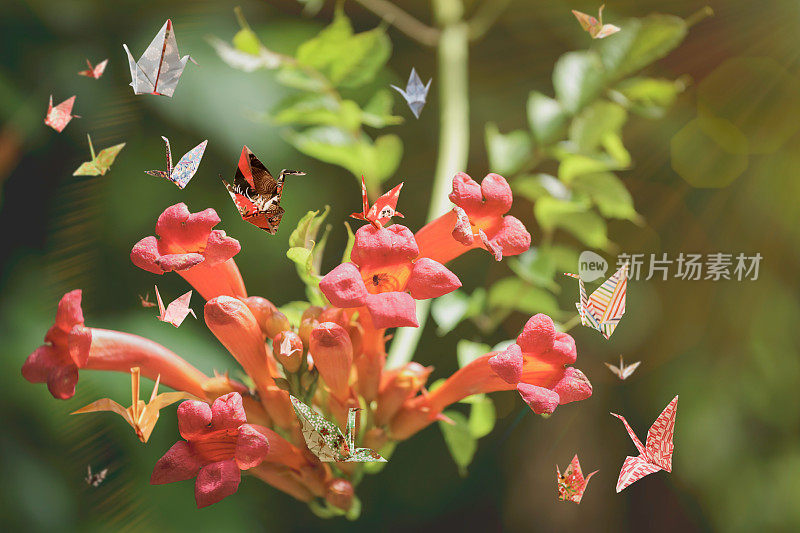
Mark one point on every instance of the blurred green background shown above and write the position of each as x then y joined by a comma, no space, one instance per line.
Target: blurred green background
730,349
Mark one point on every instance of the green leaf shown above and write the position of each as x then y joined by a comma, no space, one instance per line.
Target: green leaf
354,512
577,79
318,109
294,311
609,195
387,153
459,439
591,126
247,41
293,76
535,186
451,309
347,60
305,253
573,165
468,351
514,294
574,217
307,228
508,152
546,118
351,240
640,43
535,266
612,142
648,97
378,111
482,416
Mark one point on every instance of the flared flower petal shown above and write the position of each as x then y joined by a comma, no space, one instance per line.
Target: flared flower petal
382,246
187,243
508,364
540,400
431,279
573,387
178,464
344,287
392,310
61,382
252,447
215,482
193,418
227,412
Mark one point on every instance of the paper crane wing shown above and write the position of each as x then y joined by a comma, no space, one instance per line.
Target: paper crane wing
187,166
256,193
177,311
106,404
384,208
364,455
657,454
323,438
96,71
160,67
59,116
101,163
595,27
623,371
416,93
605,307
572,484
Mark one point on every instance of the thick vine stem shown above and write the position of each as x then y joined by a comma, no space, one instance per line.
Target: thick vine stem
401,20
452,79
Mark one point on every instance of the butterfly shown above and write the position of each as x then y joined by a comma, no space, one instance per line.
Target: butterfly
595,27
324,439
256,193
181,173
141,416
177,311
656,454
383,209
604,308
160,67
59,116
572,484
101,163
95,479
415,93
622,371
96,71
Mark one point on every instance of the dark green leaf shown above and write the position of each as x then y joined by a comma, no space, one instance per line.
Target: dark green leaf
640,43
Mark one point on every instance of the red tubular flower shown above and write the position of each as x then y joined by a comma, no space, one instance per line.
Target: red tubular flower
72,345
332,351
386,276
544,381
397,386
477,221
219,444
187,244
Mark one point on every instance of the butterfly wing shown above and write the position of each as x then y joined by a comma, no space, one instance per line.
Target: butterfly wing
659,445
187,166
107,156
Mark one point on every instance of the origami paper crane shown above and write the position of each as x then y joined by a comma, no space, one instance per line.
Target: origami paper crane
141,416
176,311
415,93
572,484
181,173
100,163
59,116
383,209
595,27
96,71
656,454
97,478
256,193
324,439
604,308
160,67
145,301
622,371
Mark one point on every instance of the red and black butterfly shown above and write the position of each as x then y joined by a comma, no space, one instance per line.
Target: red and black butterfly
256,193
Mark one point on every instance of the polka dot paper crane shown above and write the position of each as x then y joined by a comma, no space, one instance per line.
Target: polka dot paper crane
572,484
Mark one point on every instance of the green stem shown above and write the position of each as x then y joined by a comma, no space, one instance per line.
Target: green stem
452,79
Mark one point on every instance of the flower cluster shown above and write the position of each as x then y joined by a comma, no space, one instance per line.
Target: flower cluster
333,358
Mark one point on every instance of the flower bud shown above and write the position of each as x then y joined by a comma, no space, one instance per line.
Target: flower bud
336,315
288,350
332,350
261,308
398,386
375,439
340,494
276,323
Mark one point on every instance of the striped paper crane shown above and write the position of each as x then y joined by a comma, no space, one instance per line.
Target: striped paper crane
605,307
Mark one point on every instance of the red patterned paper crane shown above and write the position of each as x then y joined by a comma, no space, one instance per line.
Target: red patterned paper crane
656,454
384,208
